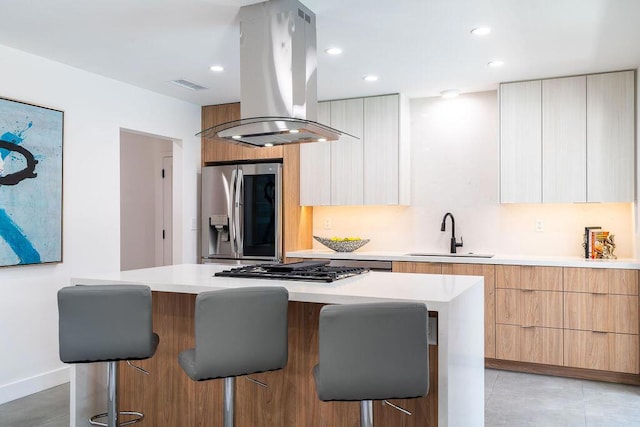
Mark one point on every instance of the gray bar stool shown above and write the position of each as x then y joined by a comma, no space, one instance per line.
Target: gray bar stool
106,323
372,352
238,332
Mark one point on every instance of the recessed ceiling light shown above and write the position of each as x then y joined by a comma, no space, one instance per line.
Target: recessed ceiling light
481,31
495,64
450,93
370,78
333,51
236,137
216,68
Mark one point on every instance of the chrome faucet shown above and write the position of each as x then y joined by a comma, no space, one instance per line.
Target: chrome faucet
454,244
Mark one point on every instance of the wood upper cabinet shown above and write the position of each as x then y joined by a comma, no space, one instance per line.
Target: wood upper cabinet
488,272
347,163
564,140
569,139
315,166
611,137
372,169
520,142
214,150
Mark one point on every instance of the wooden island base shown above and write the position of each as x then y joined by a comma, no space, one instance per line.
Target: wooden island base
168,398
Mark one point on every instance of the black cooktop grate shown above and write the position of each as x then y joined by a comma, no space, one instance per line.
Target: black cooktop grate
303,271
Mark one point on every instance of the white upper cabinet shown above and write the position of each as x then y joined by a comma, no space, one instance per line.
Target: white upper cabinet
347,163
520,142
371,170
568,140
610,137
315,166
564,140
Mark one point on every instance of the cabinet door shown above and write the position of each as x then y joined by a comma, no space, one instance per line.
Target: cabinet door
529,344
602,351
564,140
347,186
315,166
381,148
610,137
521,142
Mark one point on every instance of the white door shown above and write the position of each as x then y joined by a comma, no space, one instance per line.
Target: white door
167,214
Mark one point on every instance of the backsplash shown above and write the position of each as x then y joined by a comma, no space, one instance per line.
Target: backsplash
455,168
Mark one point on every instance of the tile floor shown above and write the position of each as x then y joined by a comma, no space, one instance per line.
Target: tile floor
511,399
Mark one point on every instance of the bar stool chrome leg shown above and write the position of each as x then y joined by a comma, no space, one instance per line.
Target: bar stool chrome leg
366,413
112,415
229,386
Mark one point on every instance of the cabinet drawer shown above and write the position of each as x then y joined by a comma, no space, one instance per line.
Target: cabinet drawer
529,344
529,308
529,277
601,280
601,312
602,351
416,267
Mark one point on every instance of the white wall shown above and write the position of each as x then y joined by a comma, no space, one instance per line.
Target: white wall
95,109
141,199
455,168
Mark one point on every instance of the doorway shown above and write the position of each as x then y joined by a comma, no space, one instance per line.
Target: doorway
146,200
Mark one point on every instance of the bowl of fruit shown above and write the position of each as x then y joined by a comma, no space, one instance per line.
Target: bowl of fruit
342,244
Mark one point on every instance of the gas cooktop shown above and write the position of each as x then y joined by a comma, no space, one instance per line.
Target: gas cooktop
315,271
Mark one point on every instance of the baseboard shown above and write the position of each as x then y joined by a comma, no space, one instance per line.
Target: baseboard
27,386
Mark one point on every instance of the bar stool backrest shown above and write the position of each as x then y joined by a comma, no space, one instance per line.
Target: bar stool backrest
105,323
240,331
372,351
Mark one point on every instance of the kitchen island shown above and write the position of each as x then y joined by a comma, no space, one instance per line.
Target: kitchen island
169,398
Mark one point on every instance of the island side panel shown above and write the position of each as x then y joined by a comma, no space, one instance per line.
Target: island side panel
169,398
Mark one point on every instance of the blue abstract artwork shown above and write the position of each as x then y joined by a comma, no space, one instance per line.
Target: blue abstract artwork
30,183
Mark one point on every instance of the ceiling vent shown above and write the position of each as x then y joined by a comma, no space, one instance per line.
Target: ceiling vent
186,84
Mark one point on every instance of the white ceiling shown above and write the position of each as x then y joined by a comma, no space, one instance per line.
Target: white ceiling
418,47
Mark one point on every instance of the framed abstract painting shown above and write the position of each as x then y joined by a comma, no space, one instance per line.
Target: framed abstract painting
30,183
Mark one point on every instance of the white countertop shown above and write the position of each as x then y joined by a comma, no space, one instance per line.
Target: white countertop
435,290
632,264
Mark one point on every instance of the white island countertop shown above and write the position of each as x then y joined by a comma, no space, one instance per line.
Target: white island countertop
458,300
462,258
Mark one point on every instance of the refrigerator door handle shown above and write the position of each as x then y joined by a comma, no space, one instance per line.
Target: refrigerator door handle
232,210
238,208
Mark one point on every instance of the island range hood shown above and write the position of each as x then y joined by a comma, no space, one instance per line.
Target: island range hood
278,90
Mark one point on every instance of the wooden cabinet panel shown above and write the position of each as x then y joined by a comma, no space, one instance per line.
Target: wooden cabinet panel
601,280
601,312
611,137
529,344
214,150
521,142
529,277
488,271
416,267
564,140
602,351
529,308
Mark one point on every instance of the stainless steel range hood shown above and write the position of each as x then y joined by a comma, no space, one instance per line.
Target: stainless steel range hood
278,90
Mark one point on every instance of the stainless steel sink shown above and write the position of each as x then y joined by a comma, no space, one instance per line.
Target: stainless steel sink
457,255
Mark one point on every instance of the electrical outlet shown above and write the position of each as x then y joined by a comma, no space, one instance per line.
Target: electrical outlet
539,225
327,224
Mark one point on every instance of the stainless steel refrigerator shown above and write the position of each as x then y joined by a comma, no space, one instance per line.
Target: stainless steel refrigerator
242,213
